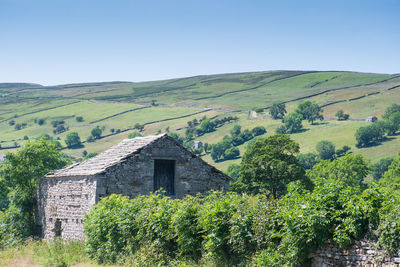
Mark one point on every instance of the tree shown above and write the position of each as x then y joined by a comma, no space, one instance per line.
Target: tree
392,124
231,153
350,169
236,130
326,150
233,171
390,110
20,173
177,137
308,160
291,124
341,115
269,165
310,111
207,126
369,135
139,127
79,119
391,177
258,130
342,151
278,111
96,132
73,140
133,135
379,168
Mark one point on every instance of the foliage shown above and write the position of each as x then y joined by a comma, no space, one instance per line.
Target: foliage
268,166
79,118
229,229
291,124
177,137
325,149
139,127
20,173
73,140
341,115
233,171
308,160
258,130
369,135
342,151
390,110
310,111
350,169
379,168
134,134
278,111
96,132
391,178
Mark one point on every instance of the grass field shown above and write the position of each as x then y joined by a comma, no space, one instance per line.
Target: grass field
119,105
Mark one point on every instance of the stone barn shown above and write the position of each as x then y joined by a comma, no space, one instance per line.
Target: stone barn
134,166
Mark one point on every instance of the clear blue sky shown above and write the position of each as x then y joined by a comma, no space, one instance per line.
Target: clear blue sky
68,41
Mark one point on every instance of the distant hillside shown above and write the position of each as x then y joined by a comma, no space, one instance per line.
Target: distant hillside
117,106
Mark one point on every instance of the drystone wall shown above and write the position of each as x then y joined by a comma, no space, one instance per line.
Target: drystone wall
362,253
63,204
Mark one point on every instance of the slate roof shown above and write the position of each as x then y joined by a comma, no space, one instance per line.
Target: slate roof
108,158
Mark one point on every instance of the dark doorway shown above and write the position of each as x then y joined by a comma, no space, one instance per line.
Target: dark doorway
164,176
57,228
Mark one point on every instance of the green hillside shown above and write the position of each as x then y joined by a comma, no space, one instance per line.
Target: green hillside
117,106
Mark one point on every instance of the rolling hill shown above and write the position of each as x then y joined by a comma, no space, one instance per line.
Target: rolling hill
118,106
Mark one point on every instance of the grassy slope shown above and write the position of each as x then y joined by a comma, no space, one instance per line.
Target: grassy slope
180,97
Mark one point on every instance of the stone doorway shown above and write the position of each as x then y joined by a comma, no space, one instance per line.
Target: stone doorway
164,176
57,228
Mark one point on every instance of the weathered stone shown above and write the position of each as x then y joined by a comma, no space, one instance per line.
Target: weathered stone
67,195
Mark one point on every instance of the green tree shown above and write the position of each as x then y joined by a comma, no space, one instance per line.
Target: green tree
379,168
292,123
278,111
269,165
236,130
133,135
391,177
177,137
258,130
325,149
390,110
233,171
341,115
350,169
369,135
20,173
139,127
73,140
96,132
310,111
79,119
308,160
207,126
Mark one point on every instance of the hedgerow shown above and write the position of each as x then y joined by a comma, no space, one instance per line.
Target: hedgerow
232,229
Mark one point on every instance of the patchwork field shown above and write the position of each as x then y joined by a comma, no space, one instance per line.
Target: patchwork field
167,105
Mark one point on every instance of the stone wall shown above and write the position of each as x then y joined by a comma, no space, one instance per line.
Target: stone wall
135,175
362,253
64,201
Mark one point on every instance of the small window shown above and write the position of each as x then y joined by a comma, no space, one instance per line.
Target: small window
57,228
164,176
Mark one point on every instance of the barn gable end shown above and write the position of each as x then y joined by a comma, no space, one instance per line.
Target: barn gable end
135,166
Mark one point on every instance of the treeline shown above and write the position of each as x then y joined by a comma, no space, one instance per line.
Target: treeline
227,148
377,131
